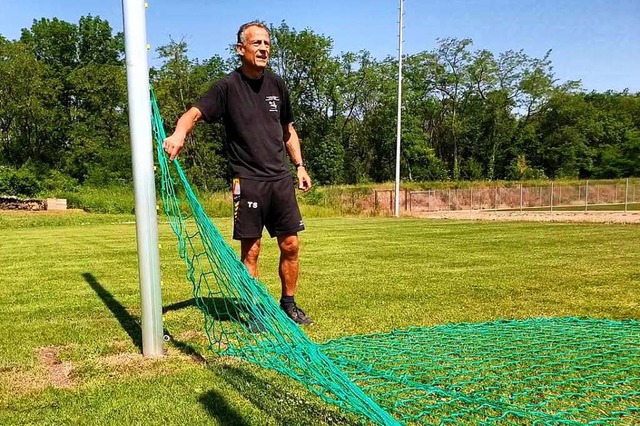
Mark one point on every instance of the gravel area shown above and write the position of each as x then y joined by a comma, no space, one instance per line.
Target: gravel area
488,215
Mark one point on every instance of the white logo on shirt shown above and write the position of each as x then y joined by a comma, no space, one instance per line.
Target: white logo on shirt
273,103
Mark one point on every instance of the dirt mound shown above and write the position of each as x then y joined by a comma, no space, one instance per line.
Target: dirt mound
60,373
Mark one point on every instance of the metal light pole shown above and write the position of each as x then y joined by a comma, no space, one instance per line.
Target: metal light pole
135,32
399,129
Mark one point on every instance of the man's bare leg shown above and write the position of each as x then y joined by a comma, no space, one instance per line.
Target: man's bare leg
289,267
289,263
249,253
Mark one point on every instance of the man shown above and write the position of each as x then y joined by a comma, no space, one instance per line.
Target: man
254,106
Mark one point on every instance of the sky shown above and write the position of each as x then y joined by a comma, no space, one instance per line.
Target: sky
595,41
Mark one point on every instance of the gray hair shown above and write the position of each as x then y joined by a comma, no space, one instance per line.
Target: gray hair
242,39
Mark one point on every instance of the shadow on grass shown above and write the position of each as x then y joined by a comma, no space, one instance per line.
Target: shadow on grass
131,324
281,398
218,308
218,408
128,322
223,309
274,397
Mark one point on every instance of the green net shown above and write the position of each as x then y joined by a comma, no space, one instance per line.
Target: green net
241,318
541,371
538,371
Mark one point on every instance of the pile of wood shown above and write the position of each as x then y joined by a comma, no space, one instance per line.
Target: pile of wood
15,203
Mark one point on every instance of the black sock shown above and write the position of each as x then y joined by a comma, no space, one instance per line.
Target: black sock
287,300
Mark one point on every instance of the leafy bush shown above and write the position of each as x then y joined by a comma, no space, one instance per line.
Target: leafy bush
56,181
114,199
21,182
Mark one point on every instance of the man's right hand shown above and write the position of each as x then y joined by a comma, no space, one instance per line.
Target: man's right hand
173,145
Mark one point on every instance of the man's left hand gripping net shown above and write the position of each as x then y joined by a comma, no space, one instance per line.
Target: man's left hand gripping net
241,318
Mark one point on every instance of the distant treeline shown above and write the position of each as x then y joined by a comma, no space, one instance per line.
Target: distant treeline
467,114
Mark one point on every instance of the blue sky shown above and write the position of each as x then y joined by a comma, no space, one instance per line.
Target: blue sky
596,41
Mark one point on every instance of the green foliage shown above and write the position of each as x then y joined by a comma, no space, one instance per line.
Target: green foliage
520,170
68,100
20,182
118,199
114,199
32,181
56,182
326,161
314,197
467,113
426,165
472,170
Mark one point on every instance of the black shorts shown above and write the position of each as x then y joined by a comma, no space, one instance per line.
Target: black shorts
258,204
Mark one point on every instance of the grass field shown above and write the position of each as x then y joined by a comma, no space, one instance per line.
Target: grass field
69,308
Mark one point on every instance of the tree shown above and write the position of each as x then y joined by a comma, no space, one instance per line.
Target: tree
466,114
22,112
178,83
303,59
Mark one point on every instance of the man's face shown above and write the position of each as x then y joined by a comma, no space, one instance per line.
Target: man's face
255,51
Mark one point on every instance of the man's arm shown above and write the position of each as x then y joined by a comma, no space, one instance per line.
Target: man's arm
292,143
174,143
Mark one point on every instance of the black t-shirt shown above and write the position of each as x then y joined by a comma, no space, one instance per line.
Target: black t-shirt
253,113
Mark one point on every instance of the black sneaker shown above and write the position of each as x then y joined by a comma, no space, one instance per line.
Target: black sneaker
296,314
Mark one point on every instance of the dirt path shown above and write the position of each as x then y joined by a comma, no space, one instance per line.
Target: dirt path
488,215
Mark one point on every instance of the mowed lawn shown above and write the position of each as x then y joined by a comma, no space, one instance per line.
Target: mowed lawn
70,306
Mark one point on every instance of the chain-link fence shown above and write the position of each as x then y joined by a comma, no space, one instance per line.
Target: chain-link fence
618,195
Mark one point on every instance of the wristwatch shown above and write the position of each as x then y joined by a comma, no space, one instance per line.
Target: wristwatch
300,164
